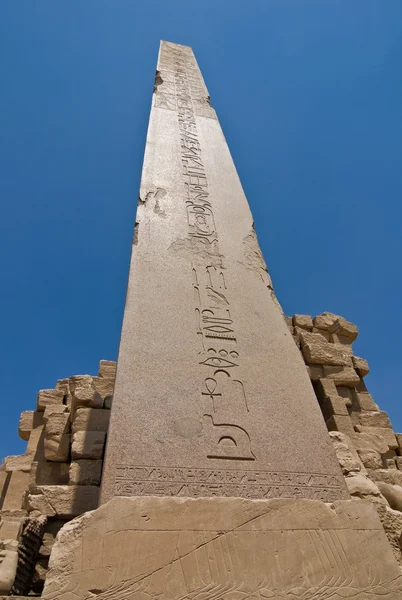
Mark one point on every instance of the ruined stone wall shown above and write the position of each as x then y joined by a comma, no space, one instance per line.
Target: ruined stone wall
58,477
368,449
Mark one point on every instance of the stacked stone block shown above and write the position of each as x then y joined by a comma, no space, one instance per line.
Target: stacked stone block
59,475
368,450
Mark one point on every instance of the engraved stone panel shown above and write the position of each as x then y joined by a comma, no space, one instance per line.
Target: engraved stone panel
215,548
211,397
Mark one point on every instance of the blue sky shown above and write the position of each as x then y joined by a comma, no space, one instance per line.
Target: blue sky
309,94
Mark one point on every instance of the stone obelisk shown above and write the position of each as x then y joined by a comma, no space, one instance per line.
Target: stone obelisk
212,397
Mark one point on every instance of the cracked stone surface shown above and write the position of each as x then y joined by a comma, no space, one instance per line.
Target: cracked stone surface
176,549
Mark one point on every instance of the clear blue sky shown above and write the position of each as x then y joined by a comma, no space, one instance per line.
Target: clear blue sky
309,94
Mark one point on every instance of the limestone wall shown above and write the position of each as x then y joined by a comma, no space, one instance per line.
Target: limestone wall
59,475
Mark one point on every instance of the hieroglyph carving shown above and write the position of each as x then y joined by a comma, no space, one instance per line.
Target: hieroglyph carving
221,386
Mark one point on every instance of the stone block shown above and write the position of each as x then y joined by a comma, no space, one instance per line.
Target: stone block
345,453
57,438
239,549
303,321
322,332
85,472
345,392
330,402
343,376
91,419
107,368
387,434
336,324
54,409
392,476
25,425
390,463
361,486
369,441
10,528
15,486
392,523
366,402
47,398
8,564
393,494
315,372
48,473
398,461
322,353
104,386
375,419
65,501
371,459
21,462
361,366
57,448
87,396
88,444
340,423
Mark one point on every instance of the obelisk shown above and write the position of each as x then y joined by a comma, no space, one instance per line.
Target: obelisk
212,397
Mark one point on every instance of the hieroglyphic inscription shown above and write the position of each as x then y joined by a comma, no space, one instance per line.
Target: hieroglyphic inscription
178,481
222,390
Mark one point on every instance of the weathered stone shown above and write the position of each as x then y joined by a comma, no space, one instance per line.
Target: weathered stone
343,376
88,444
375,419
361,486
87,396
393,494
48,397
107,368
57,448
386,434
369,441
392,476
345,453
371,459
330,402
399,439
57,438
107,403
240,548
398,461
85,472
340,423
54,409
10,528
64,501
366,402
344,392
392,523
336,324
390,463
25,425
315,372
39,505
303,321
323,353
91,419
21,462
104,386
16,484
44,472
361,366
8,564
324,333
